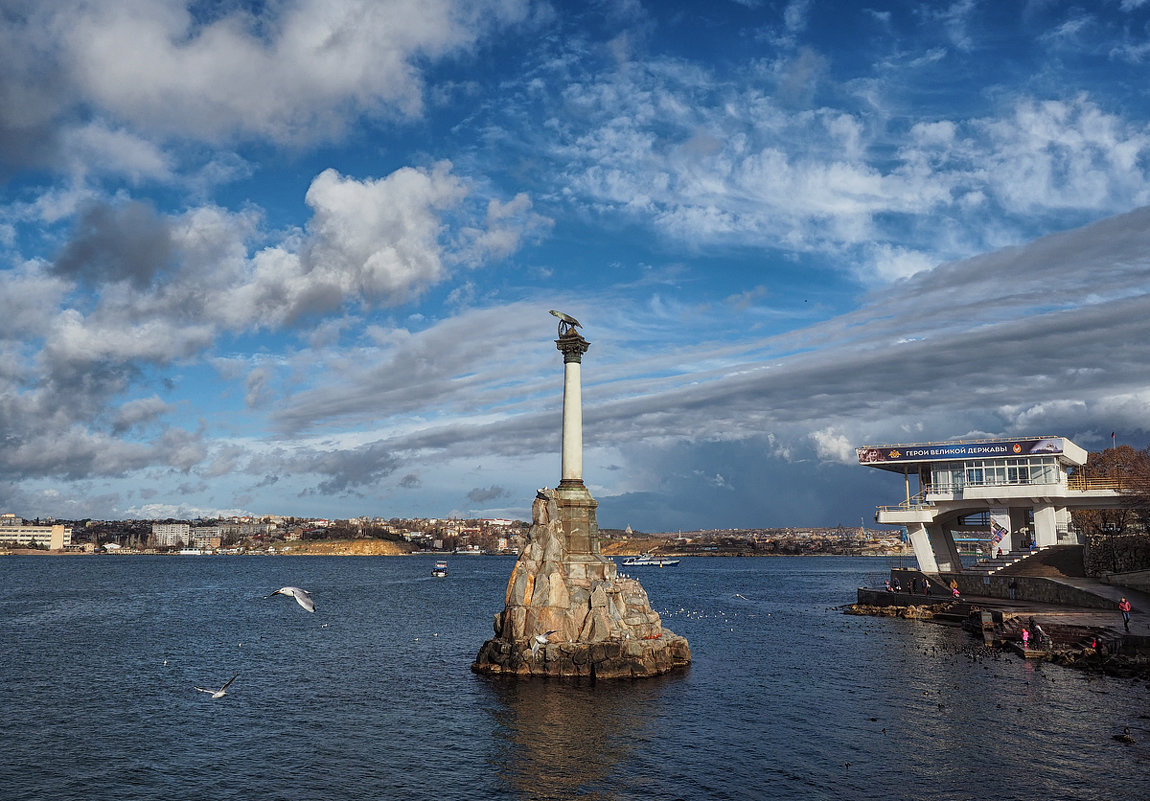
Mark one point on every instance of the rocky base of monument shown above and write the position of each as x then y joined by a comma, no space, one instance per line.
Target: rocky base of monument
570,615
609,659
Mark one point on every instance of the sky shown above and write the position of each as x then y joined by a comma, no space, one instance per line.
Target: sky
296,257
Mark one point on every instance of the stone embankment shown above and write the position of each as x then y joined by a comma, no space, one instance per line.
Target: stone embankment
1091,648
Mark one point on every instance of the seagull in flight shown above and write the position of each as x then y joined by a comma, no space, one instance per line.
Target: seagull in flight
538,641
220,693
303,598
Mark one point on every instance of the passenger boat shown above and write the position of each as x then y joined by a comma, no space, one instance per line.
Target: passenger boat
440,569
646,560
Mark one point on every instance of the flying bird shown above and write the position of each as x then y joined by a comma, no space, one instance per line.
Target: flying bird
301,596
220,693
538,641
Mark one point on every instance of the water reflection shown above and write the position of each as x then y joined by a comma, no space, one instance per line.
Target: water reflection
560,740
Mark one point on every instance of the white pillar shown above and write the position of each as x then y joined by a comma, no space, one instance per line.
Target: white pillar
1045,526
923,552
572,460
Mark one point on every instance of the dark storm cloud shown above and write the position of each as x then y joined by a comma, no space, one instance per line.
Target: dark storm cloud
117,242
480,495
33,89
765,491
347,470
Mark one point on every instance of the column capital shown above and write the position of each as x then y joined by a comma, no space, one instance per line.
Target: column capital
573,346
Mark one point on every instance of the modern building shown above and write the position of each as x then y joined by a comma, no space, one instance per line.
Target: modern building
16,533
205,537
1014,493
168,535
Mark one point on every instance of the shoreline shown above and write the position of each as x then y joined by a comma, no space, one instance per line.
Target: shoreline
338,551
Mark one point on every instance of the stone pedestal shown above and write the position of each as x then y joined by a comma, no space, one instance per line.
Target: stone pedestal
567,613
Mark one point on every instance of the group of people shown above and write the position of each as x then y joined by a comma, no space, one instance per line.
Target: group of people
915,586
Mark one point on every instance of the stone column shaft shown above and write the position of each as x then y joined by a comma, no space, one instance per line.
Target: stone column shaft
572,346
572,458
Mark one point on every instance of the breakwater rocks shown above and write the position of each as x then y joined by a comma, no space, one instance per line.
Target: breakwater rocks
911,612
569,615
1118,665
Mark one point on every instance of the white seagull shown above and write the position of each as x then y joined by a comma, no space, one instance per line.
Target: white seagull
302,597
538,641
220,693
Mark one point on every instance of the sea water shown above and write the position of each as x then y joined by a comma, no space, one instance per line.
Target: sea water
371,697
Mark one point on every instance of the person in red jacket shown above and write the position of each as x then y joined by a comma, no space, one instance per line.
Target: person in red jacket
1124,608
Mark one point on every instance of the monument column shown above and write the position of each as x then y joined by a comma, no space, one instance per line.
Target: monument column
573,346
566,610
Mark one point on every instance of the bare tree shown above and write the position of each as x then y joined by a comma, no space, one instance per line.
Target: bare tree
1129,470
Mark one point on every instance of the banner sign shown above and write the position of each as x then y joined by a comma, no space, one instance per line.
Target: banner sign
1000,528
961,450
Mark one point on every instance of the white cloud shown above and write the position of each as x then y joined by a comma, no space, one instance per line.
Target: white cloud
833,446
95,147
293,73
380,238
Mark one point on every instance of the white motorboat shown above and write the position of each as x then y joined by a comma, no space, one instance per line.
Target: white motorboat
646,560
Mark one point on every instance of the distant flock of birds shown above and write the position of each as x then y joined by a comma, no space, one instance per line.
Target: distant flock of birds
302,597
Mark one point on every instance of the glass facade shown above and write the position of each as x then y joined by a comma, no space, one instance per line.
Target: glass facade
953,476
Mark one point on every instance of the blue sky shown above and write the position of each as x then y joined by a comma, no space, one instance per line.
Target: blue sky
296,257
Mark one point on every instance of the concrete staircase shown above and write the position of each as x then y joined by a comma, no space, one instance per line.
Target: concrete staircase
988,567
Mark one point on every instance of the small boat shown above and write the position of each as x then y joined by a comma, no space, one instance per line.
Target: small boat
191,552
646,560
440,569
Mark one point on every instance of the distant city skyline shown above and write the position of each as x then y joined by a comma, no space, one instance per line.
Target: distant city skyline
297,258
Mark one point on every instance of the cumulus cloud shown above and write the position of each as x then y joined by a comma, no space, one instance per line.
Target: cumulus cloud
380,239
833,446
134,290
291,72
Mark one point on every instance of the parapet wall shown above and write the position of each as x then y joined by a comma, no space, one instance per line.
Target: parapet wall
1029,588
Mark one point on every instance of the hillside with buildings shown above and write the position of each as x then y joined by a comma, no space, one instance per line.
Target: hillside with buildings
397,536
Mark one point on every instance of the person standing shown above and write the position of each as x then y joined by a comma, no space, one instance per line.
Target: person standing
1013,587
1124,608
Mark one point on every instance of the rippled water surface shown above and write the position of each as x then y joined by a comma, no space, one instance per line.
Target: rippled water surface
371,697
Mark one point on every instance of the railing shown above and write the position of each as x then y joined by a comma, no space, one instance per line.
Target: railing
953,487
1081,483
913,503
